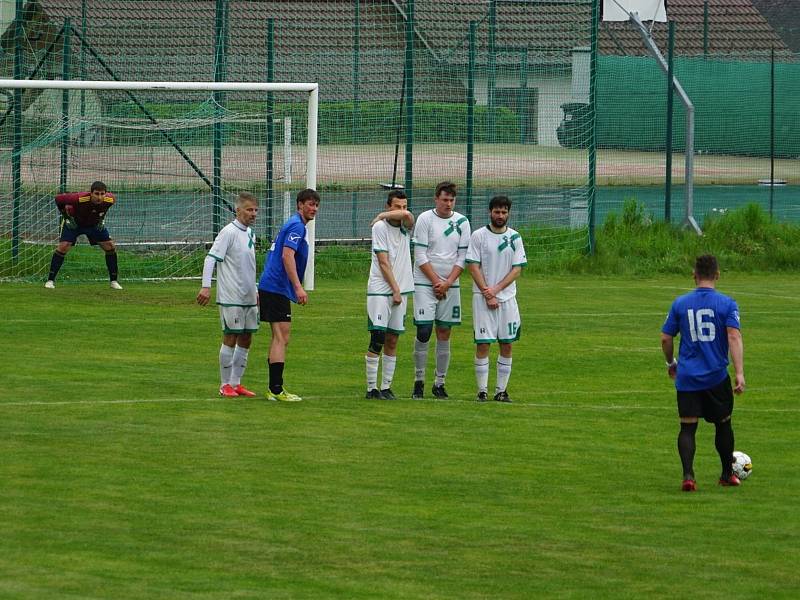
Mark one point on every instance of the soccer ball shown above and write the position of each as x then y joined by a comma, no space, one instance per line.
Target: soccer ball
742,465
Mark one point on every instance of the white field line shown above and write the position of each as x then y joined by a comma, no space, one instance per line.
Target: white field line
667,405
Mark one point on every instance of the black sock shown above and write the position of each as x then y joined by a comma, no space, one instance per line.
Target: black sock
275,377
723,440
55,265
686,446
111,263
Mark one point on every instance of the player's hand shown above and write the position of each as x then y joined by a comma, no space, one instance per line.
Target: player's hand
203,295
440,289
738,387
488,293
672,369
492,303
396,298
302,296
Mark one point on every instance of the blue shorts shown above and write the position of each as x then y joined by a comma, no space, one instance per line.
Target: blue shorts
93,234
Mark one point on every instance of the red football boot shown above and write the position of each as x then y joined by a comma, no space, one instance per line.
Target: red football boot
243,391
227,391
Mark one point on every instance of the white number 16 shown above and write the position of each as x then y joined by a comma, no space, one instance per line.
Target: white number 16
700,330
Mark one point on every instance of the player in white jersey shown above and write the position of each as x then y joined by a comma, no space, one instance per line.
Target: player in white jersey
441,237
495,259
233,253
390,283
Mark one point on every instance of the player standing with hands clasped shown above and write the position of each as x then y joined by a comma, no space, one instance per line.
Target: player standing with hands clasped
708,323
234,255
390,282
281,284
495,259
84,213
441,237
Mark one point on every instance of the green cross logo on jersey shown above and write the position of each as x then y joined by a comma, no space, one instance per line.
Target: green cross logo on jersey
251,239
454,226
508,242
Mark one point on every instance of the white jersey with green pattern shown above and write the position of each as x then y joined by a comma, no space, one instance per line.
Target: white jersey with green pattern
442,242
496,253
235,253
394,241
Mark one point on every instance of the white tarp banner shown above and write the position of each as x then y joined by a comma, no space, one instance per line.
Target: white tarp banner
649,10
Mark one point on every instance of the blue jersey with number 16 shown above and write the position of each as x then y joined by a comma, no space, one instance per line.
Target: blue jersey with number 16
702,318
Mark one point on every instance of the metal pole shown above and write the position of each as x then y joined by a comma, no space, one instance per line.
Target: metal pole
772,131
523,88
220,68
84,22
689,106
473,28
705,29
65,75
16,152
356,105
492,73
356,69
668,144
593,116
270,110
409,70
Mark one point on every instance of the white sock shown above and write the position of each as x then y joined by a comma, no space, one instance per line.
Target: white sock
372,371
389,363
225,363
503,373
420,359
442,360
239,364
482,373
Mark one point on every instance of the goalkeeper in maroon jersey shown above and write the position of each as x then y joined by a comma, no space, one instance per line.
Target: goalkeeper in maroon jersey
83,213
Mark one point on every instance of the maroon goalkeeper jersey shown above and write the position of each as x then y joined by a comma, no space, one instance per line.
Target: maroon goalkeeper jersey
85,212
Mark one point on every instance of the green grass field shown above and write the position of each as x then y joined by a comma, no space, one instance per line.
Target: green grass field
123,475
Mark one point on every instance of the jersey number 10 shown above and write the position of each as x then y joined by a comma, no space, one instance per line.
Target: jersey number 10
699,329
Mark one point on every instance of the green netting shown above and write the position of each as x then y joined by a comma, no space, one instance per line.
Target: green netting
492,94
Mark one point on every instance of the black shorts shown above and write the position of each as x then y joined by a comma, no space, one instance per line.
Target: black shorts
713,404
274,308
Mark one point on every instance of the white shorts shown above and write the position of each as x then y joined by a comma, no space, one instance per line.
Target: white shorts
238,319
502,324
442,313
382,315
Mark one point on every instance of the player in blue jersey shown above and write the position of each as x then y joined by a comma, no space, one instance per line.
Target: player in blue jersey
708,324
281,284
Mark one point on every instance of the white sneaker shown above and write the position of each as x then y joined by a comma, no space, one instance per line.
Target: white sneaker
50,284
115,285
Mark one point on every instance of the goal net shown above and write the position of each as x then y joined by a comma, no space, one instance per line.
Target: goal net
174,154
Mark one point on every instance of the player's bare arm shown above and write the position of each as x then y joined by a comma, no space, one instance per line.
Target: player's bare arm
291,273
402,215
506,281
388,275
668,348
736,347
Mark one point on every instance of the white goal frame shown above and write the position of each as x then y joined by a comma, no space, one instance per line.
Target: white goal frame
212,86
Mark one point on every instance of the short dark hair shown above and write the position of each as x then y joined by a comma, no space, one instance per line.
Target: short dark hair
706,266
246,197
446,186
308,194
499,202
98,186
395,194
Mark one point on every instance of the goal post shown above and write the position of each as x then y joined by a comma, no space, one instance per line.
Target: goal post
151,137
